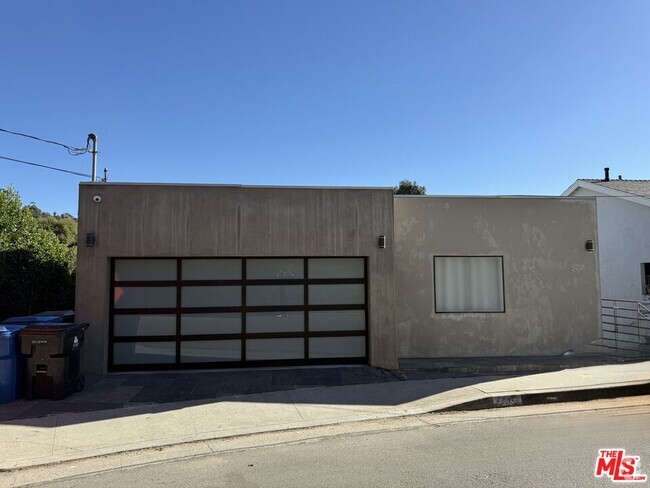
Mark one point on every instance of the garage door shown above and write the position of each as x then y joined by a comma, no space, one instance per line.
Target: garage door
179,313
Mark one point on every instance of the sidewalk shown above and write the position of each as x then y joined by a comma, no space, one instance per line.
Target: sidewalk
69,436
108,392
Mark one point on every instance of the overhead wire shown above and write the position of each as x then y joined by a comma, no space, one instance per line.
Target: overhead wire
45,166
73,151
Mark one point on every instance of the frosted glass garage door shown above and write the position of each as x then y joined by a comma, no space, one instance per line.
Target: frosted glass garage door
203,312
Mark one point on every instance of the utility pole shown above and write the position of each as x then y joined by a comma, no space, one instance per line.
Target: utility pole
92,137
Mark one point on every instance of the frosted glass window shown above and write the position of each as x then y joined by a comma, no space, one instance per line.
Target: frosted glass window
274,295
210,323
144,325
336,268
275,322
337,347
210,351
211,296
337,320
145,297
211,269
469,284
144,352
336,294
275,349
145,269
274,269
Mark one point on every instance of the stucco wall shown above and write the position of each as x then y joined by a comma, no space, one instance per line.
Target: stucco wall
203,220
624,236
550,280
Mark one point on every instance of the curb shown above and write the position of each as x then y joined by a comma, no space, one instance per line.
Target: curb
507,368
550,397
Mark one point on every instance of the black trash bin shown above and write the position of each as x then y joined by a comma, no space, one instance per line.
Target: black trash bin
53,359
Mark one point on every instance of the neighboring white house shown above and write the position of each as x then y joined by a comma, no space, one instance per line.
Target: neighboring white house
623,209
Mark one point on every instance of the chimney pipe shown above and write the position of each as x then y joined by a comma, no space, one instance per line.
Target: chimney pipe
606,174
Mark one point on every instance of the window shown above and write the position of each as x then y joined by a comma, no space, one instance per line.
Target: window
645,268
468,283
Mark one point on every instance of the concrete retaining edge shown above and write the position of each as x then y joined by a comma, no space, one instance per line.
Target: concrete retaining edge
525,399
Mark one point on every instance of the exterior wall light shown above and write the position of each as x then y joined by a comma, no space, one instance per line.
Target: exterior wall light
589,245
382,242
90,240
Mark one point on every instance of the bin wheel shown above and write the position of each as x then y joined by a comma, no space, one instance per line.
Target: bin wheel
81,382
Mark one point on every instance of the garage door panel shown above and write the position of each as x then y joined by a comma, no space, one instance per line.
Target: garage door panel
210,351
211,323
144,353
324,268
211,269
145,270
274,269
337,347
145,297
274,295
144,325
269,349
333,320
336,294
261,322
210,296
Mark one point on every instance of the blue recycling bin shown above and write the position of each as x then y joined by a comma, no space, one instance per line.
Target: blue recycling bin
11,363
32,319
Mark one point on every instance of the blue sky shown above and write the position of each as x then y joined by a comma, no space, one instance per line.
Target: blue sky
466,97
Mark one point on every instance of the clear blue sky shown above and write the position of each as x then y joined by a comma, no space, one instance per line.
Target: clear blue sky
466,97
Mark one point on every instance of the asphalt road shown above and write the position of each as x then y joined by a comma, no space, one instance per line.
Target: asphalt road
540,450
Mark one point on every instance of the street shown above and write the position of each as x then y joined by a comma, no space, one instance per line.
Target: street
530,446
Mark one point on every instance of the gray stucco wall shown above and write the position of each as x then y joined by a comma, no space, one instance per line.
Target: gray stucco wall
551,283
203,220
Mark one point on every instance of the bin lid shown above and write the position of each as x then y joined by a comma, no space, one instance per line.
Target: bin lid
9,330
63,314
31,319
52,328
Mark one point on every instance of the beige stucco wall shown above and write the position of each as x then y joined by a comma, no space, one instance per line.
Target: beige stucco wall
203,220
551,283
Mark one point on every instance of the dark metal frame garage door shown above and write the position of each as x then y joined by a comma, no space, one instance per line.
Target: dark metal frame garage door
184,313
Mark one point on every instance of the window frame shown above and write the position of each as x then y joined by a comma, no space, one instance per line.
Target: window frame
503,283
645,279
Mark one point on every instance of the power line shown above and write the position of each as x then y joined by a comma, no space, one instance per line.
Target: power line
73,151
45,166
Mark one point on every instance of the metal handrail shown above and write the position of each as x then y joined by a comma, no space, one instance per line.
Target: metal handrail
624,325
643,311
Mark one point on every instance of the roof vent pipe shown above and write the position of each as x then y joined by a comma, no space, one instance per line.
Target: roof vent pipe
606,174
620,177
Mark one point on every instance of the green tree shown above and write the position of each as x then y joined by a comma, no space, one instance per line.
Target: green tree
36,268
65,229
64,226
407,187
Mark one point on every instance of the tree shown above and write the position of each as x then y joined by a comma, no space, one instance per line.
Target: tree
36,268
407,187
63,225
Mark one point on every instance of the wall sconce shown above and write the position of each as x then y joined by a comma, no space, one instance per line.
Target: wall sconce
589,245
382,242
90,240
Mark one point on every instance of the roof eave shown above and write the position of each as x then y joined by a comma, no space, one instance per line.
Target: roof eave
607,192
